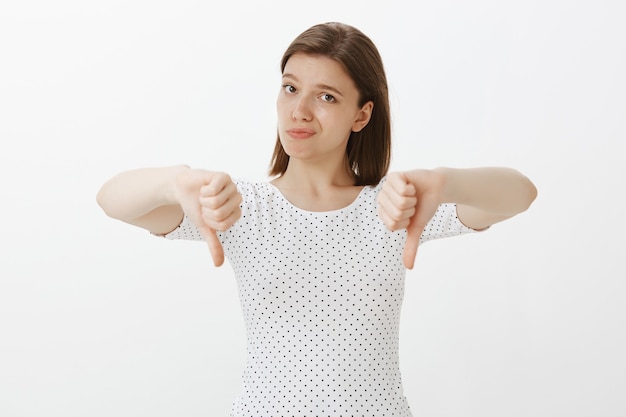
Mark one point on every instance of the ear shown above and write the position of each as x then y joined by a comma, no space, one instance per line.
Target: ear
363,116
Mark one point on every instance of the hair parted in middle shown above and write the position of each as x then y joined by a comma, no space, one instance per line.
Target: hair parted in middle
368,151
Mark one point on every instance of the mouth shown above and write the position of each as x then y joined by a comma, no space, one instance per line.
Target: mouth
300,133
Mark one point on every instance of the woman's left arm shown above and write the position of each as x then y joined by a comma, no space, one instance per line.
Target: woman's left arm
483,196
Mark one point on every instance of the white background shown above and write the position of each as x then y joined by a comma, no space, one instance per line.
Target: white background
98,318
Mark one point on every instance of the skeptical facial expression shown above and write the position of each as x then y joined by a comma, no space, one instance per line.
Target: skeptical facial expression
318,108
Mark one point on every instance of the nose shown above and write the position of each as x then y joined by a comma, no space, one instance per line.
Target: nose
302,110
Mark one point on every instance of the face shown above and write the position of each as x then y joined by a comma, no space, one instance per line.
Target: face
318,108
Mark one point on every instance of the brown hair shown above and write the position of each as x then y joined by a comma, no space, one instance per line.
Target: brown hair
368,151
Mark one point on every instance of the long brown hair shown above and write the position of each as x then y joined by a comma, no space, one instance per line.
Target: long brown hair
369,150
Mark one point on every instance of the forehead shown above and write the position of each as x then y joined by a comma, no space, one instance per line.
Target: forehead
317,69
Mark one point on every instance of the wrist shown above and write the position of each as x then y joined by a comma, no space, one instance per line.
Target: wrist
170,193
430,181
443,178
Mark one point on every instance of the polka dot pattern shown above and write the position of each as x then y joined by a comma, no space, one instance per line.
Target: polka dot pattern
321,294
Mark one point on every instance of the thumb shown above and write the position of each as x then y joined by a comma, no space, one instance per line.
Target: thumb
215,246
413,233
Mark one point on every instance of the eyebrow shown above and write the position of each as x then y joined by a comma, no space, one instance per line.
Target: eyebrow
320,86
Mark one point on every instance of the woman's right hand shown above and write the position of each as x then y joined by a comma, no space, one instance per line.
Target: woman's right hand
211,201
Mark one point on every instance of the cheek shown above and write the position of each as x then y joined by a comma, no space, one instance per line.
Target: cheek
341,120
282,108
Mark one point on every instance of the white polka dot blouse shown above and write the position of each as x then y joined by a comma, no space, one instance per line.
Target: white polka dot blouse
321,294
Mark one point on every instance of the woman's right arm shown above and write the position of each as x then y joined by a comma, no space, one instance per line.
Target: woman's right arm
156,199
144,197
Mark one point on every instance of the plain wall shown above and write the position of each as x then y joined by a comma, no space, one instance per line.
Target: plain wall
99,319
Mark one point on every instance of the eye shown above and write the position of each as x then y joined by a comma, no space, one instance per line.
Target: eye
290,89
328,98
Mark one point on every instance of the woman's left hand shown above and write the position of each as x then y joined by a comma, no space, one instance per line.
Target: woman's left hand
408,200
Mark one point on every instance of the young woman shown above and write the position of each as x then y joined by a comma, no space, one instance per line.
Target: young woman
320,252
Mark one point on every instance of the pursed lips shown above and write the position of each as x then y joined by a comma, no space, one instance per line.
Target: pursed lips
300,133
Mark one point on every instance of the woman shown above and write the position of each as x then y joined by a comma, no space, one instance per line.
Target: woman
320,252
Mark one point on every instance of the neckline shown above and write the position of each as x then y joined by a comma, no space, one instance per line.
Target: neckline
327,212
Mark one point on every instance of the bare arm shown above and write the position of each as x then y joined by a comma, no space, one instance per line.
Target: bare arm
144,197
156,199
484,196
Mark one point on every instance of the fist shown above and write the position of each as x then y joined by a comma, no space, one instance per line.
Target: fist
408,200
396,201
211,201
219,201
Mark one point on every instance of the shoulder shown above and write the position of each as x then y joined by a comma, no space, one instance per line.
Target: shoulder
253,188
257,196
371,191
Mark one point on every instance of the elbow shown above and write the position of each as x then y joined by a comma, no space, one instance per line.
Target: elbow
101,200
105,201
530,193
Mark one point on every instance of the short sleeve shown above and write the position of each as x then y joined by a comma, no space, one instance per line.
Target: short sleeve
185,231
445,223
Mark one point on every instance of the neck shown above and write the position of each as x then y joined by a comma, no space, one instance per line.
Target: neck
317,187
316,175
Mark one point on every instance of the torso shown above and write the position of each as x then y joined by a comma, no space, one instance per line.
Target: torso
321,294
321,286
